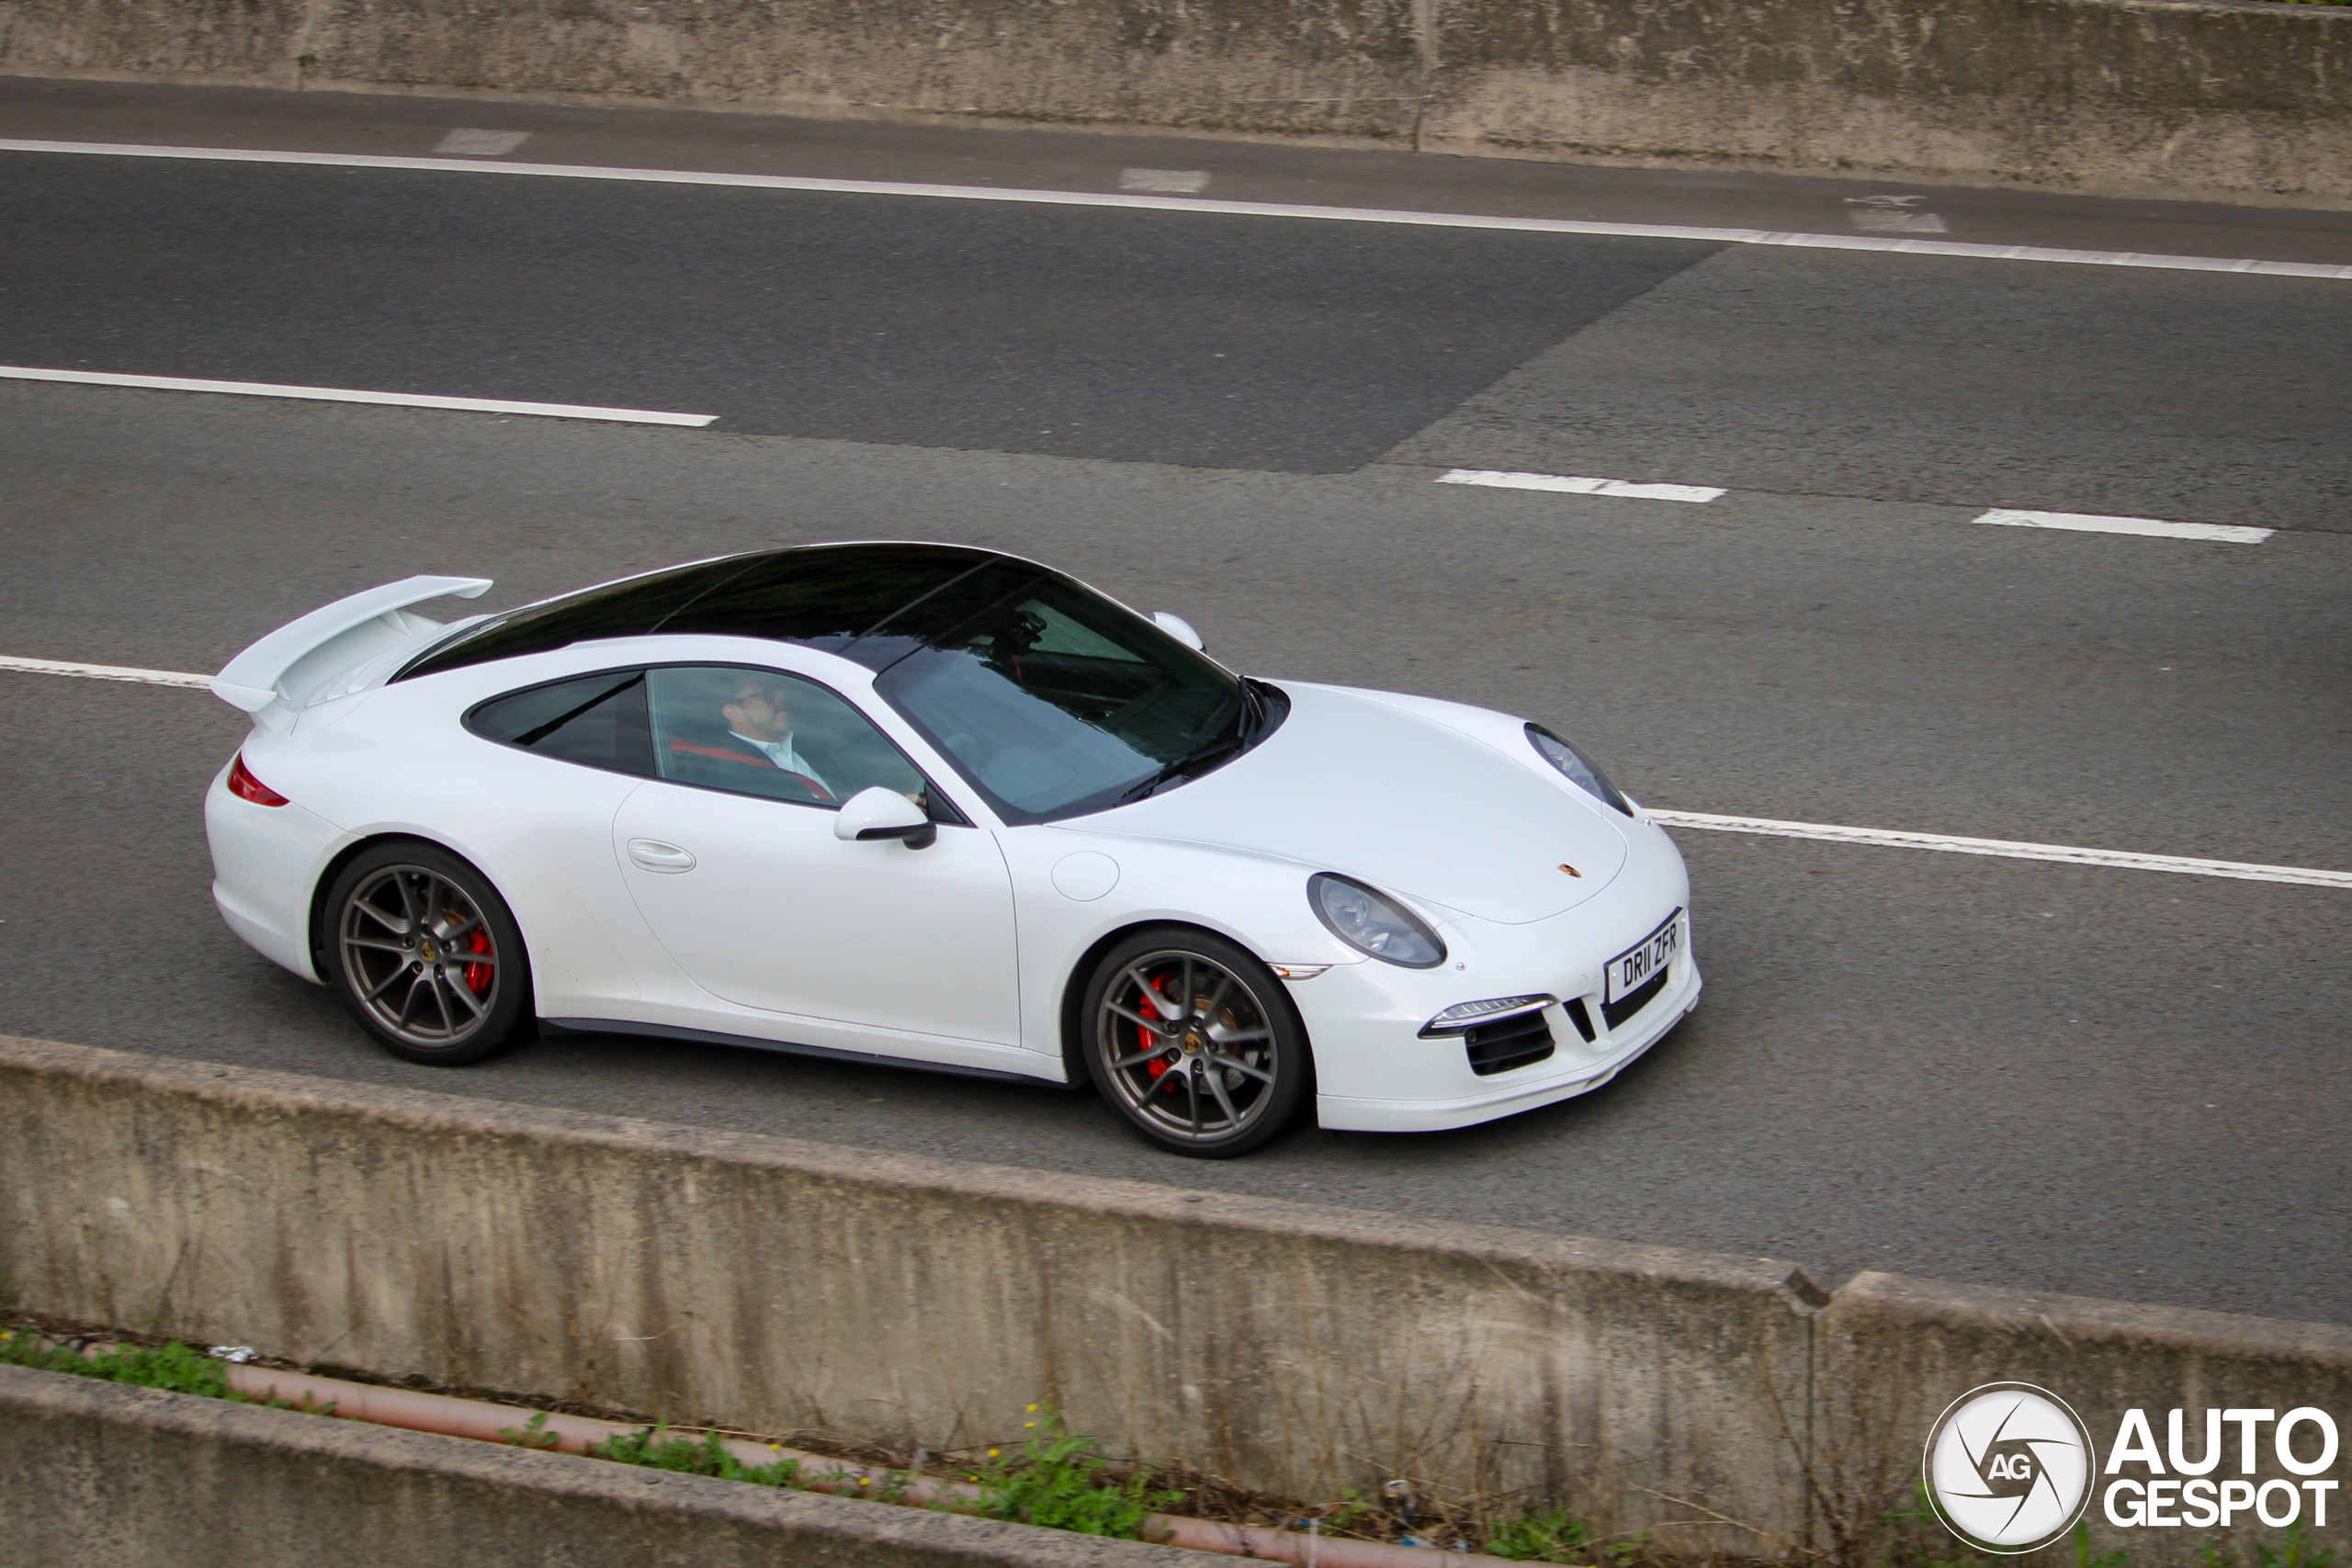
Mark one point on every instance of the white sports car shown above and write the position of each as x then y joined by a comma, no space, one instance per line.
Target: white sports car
943,807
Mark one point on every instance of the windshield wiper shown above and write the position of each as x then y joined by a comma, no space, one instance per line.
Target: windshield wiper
1249,725
1186,764
1253,712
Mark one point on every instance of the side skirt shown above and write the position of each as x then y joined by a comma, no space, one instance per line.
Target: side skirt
828,1053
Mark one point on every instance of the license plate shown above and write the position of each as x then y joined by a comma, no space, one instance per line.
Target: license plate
1647,959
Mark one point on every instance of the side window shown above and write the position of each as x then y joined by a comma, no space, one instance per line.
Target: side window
763,732
598,721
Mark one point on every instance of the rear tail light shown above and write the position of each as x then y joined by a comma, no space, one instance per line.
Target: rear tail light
245,786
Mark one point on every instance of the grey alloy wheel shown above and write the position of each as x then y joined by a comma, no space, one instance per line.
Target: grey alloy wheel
1190,1040
426,955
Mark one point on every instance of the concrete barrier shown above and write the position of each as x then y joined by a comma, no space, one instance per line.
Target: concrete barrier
779,1286
92,1474
2241,98
1894,1351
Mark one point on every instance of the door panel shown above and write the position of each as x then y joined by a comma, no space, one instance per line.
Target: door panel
769,910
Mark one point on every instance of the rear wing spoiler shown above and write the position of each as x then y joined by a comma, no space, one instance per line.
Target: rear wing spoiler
295,662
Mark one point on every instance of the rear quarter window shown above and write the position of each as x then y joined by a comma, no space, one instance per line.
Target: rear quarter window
597,721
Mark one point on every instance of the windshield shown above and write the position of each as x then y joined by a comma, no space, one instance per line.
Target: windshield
1054,702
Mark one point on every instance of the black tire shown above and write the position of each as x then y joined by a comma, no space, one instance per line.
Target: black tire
425,953
1192,1042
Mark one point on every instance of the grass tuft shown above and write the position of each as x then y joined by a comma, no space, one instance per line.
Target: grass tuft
175,1368
1062,1481
1555,1534
656,1448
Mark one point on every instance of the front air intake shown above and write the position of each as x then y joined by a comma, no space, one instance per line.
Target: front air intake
1517,1041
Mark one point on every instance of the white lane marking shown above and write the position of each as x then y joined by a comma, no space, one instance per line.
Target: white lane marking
1887,838
2080,522
1174,182
338,395
482,143
2090,522
106,672
1872,221
1892,215
2006,849
1168,204
1571,485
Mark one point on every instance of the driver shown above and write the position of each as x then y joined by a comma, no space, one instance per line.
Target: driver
758,727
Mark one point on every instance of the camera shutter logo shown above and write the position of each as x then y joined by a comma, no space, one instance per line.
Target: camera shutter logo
2011,1467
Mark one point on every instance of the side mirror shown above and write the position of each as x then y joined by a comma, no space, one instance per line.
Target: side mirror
880,813
1180,629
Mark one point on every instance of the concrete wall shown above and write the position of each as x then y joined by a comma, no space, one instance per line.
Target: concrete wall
779,1286
1894,1351
92,1475
2180,96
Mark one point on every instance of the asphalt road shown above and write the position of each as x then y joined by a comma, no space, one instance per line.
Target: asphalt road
1219,341
1048,158
2121,1084
1205,338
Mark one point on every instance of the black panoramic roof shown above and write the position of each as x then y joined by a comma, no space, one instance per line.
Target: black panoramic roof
871,603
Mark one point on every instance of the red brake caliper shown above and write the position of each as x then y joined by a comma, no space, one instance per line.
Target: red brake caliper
1144,1040
477,975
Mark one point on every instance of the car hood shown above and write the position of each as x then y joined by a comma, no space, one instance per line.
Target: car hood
1353,785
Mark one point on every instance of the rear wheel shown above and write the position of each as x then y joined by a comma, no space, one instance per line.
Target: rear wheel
1191,1039
425,954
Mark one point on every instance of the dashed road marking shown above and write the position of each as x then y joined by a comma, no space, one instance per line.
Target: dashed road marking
2078,522
2090,522
341,395
1572,485
2006,849
481,143
1171,204
1172,182
1892,215
106,672
1884,838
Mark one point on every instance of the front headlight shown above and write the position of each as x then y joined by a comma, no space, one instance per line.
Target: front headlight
1371,923
1579,769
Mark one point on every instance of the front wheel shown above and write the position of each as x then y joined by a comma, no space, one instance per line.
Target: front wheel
425,954
1191,1039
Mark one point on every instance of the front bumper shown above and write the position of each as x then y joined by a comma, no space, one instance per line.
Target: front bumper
1574,1067
1375,1071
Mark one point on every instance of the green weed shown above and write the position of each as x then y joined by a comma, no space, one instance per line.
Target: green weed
1352,1507
531,1434
656,1449
175,1368
1555,1534
1062,1481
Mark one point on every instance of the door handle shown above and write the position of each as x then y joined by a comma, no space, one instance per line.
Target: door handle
655,855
